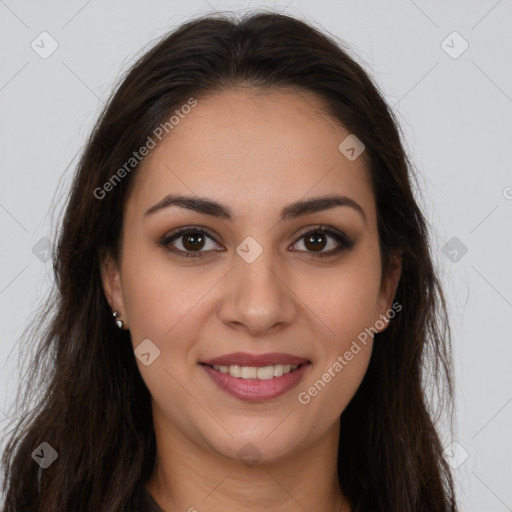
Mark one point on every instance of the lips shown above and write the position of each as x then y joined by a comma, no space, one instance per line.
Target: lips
255,360
256,377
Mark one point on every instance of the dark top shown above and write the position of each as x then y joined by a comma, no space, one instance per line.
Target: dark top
144,502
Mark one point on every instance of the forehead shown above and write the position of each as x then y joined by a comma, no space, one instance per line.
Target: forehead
252,149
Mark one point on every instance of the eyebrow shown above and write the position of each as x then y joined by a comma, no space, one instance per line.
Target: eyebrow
298,208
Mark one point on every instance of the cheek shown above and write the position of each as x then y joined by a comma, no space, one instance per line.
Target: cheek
159,299
343,377
164,305
168,306
344,297
343,359
345,302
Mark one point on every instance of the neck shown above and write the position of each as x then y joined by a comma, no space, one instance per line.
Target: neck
189,477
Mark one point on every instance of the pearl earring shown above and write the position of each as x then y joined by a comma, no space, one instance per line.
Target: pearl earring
118,321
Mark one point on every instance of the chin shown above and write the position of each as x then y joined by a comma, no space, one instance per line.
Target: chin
269,443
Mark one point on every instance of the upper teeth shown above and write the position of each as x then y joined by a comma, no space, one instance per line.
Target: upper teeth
252,372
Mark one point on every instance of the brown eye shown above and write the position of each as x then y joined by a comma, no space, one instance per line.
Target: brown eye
317,239
188,241
193,241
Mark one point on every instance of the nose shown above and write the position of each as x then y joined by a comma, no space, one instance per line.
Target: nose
258,296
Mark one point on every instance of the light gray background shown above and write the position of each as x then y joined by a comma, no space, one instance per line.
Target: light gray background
456,115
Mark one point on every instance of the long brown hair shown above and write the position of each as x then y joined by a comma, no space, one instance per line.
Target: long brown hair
92,405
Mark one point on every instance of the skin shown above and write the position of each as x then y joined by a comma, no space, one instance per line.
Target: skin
256,153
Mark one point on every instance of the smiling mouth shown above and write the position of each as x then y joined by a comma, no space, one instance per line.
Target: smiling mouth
253,372
253,378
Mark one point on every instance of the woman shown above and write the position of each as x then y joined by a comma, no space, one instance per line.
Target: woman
246,306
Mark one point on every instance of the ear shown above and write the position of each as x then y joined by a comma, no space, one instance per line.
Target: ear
112,286
388,290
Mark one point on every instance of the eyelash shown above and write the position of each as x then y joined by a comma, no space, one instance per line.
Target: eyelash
343,240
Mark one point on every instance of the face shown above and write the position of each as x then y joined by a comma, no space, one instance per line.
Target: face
255,317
